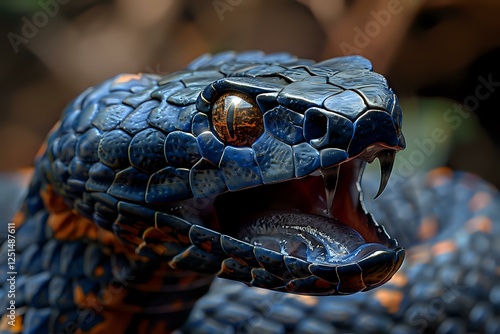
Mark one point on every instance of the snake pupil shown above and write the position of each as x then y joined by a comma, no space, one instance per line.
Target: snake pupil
230,120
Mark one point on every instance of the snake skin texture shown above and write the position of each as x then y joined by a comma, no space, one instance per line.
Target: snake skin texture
148,186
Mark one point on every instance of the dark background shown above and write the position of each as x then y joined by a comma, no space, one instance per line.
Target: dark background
435,53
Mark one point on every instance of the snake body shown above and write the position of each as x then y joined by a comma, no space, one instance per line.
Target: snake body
246,166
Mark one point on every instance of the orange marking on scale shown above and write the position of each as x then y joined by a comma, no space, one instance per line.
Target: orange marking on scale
307,300
127,77
53,202
131,233
183,239
419,254
8,328
390,299
399,279
86,301
321,283
154,235
99,271
107,238
109,298
156,248
479,201
439,176
114,322
428,228
479,223
43,147
443,247
18,219
68,226
206,246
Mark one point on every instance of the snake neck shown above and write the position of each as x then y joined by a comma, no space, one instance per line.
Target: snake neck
85,280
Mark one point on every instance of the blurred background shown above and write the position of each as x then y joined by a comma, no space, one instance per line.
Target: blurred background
440,56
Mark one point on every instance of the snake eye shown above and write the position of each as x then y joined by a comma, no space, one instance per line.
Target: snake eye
236,119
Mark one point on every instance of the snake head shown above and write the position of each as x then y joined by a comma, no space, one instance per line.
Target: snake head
283,149
248,166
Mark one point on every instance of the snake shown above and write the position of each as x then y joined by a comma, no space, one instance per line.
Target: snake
228,197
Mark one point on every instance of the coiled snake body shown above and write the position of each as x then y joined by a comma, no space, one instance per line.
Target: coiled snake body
246,166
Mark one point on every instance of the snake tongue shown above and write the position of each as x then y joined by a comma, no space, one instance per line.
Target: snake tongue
310,237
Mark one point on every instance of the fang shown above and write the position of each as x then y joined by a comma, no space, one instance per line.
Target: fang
330,178
386,160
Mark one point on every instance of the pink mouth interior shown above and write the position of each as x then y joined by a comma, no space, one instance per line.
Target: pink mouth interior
291,216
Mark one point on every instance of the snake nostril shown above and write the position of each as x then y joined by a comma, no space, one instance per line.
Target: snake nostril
315,126
323,129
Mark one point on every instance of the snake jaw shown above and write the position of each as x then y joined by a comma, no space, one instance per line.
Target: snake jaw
320,238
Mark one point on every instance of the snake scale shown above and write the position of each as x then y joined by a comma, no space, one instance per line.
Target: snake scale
246,166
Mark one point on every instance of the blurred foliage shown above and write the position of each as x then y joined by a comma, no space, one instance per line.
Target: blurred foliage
18,6
420,117
12,10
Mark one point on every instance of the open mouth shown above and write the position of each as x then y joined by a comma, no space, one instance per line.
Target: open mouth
320,222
